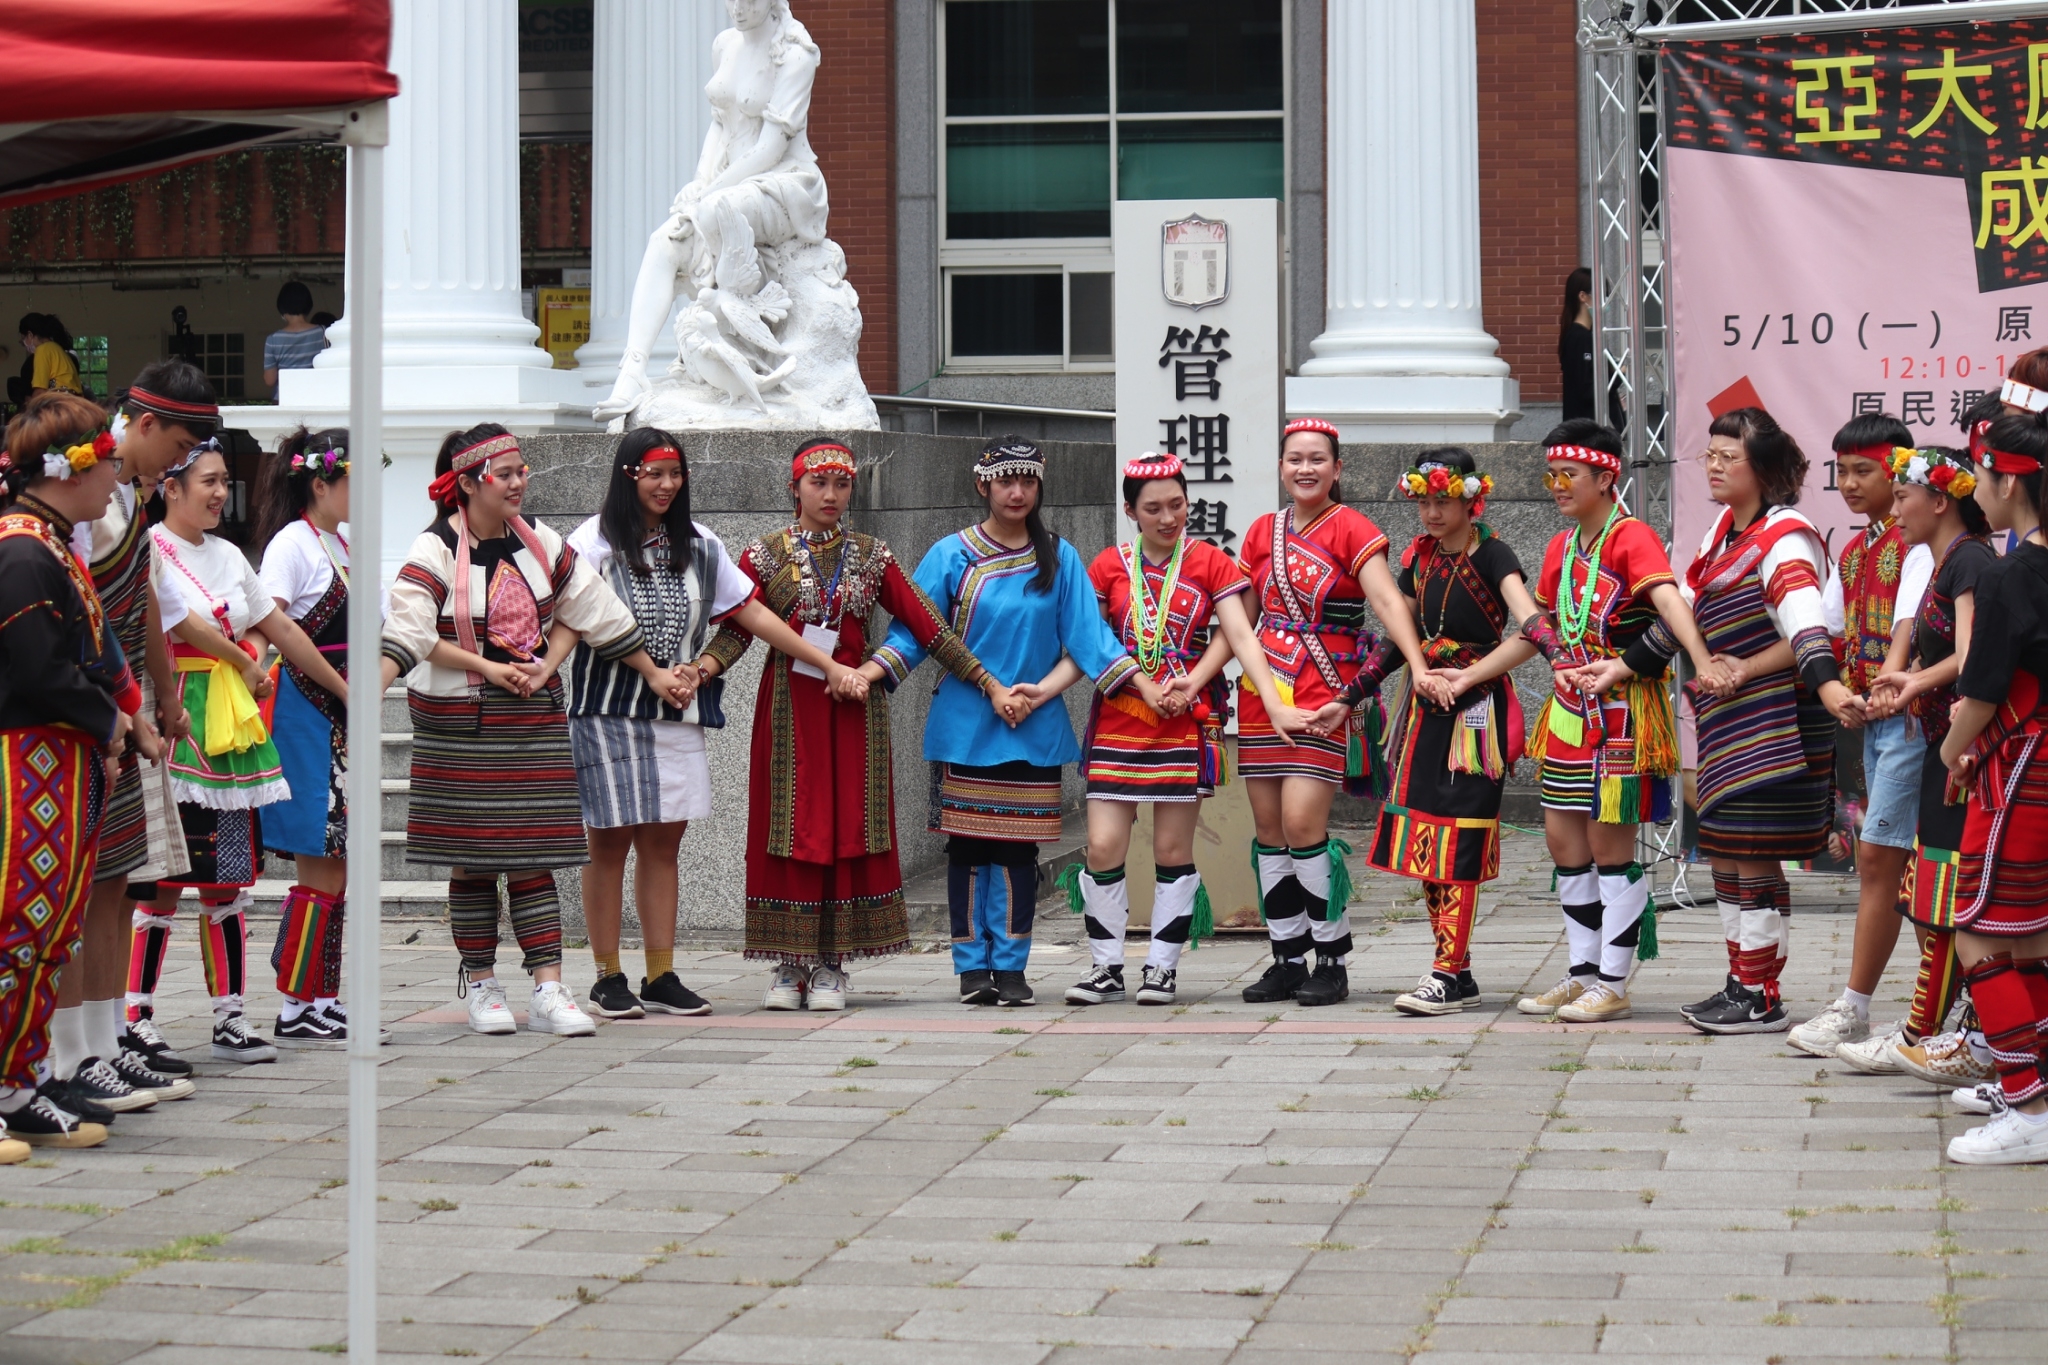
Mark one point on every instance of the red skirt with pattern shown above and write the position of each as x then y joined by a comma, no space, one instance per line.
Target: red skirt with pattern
2002,887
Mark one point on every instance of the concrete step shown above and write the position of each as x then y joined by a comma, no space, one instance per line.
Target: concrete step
397,754
397,718
403,899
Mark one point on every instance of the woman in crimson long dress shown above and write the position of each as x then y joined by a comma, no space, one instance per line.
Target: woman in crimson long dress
823,882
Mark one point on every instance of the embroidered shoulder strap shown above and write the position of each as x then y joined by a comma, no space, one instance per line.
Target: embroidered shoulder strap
1283,526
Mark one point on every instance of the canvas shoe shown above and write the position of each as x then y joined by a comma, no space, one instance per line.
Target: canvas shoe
336,1016
1433,994
1877,1055
144,1039
1597,1004
1556,998
132,1069
1100,986
488,1012
828,988
785,987
1986,1097
235,1041
100,1083
1159,985
311,1030
554,1010
43,1123
1839,1023
1945,1060
1468,990
1748,1010
2010,1139
666,994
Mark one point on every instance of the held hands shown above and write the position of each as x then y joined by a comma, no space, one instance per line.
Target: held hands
1598,677
1435,688
257,681
513,678
685,679
1721,676
144,737
1845,706
173,722
1326,721
845,684
1013,704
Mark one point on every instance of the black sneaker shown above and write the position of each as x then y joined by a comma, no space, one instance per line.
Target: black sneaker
1328,984
1714,1002
612,998
1746,1010
83,1107
311,1030
1013,989
1280,982
667,994
132,1069
1101,985
336,1016
1159,986
1435,993
42,1122
142,1039
978,988
97,1083
234,1042
1468,990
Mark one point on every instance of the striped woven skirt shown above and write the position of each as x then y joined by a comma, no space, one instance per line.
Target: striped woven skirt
639,772
1262,753
493,785
1937,852
2003,886
1165,758
1015,802
1785,819
124,833
53,792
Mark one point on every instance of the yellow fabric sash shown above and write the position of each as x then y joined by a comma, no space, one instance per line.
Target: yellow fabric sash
232,720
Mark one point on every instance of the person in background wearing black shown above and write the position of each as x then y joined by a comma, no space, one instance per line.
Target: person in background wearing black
1575,344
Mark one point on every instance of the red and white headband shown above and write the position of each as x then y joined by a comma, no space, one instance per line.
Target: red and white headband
1315,424
833,456
1585,455
2008,462
1153,465
2023,396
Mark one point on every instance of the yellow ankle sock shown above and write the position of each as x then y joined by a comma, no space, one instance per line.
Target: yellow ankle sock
607,963
660,960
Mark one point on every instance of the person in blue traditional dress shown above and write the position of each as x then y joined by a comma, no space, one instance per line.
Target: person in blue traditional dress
1019,597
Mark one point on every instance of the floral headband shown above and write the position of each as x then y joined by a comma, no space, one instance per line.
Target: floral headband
1931,470
1433,479
66,461
326,465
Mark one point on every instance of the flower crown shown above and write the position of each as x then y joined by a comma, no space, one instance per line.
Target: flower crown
1931,469
326,465
68,461
1432,479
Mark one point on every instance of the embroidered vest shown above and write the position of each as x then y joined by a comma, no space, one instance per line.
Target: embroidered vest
1870,569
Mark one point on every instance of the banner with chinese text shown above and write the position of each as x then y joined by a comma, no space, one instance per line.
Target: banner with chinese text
1858,222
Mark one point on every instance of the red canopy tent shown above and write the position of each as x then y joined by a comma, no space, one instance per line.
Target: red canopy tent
116,89
113,89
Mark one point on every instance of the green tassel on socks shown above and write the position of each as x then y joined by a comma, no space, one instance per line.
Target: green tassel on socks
1203,923
1340,878
1069,881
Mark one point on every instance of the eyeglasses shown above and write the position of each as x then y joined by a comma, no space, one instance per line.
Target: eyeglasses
1558,480
1714,459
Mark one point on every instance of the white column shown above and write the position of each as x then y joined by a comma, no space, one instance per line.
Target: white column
457,350
1404,355
648,121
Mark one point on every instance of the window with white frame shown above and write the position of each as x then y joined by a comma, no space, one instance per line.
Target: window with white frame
1054,109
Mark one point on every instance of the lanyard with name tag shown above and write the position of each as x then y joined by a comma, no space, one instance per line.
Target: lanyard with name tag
825,638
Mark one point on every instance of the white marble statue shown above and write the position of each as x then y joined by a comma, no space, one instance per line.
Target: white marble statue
771,334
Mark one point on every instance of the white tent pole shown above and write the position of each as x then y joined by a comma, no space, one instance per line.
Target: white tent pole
365,138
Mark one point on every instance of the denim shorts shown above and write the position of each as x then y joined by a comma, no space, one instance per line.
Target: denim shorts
1893,751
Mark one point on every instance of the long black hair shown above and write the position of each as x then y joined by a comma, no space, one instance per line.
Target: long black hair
1974,521
1045,546
624,521
2022,434
456,442
46,326
282,493
1580,281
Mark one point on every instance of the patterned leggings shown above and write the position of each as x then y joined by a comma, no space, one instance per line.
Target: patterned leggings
2011,996
307,957
223,947
536,919
53,792
1939,982
1453,908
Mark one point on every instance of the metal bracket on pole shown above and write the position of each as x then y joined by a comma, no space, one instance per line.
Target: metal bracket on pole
365,135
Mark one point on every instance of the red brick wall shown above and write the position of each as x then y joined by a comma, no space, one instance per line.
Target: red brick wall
853,109
1528,180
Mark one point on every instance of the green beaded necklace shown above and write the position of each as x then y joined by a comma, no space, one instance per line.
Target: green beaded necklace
1149,618
1573,617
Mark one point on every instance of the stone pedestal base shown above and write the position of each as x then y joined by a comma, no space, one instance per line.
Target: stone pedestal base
1418,407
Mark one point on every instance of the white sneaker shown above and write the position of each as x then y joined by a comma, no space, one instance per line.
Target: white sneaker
1986,1097
1839,1023
786,988
2010,1139
488,1012
828,988
1877,1055
554,1010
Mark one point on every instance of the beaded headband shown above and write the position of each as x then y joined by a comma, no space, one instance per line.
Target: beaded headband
1434,479
442,489
173,409
1004,460
1586,455
1931,470
833,456
1153,465
2023,396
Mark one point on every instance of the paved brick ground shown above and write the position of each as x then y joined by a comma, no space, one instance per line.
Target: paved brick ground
913,1182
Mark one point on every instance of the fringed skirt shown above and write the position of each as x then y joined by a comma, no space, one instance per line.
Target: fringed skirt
1937,853
1612,762
808,913
1014,802
493,786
